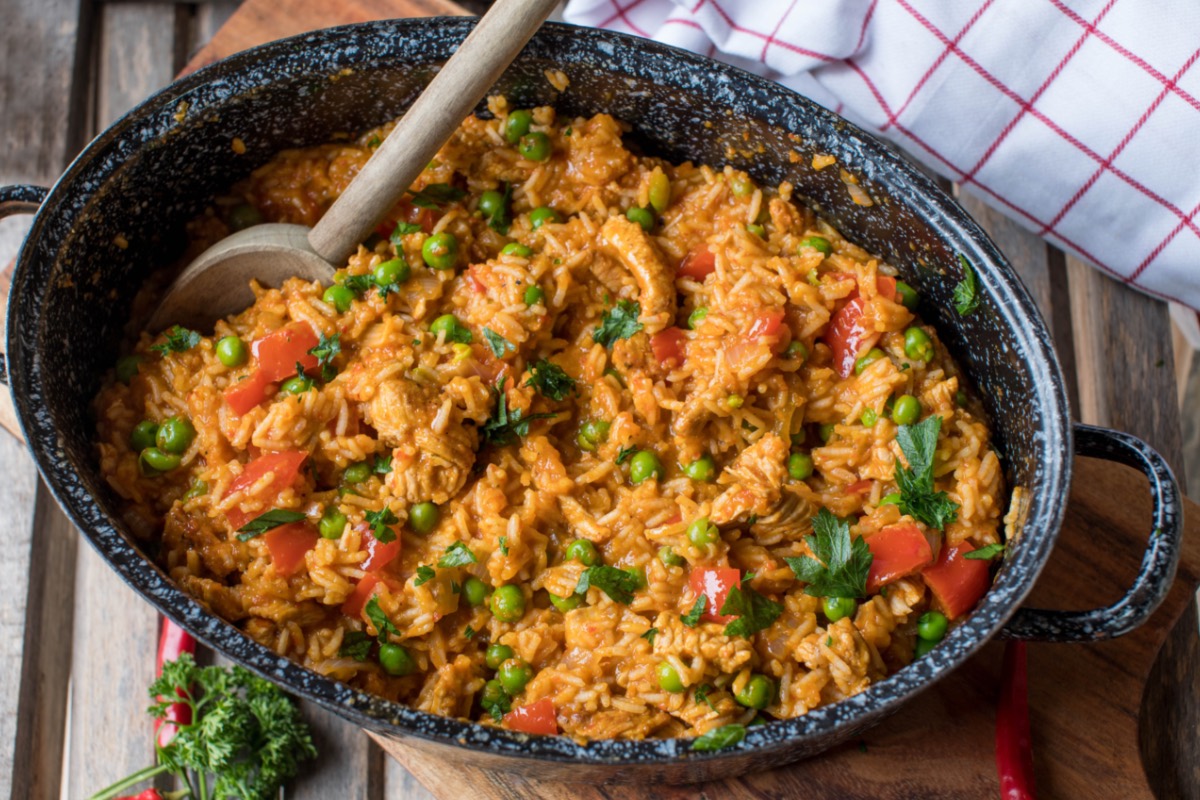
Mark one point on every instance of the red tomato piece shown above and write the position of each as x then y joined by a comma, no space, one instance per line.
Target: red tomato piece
669,346
897,550
249,393
766,323
288,544
537,717
357,601
957,582
858,487
698,265
714,583
285,465
886,286
846,335
477,285
280,351
379,555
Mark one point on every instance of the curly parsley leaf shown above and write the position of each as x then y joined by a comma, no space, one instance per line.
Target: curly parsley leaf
425,574
616,583
624,454
177,340
504,424
720,738
692,618
649,635
457,555
436,195
356,645
500,219
966,300
327,349
619,322
754,611
986,553
917,496
840,567
382,465
265,522
380,522
380,620
550,380
497,343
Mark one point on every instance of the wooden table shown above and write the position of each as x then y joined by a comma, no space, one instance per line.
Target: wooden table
77,646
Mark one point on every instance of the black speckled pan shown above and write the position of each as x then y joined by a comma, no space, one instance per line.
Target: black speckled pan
144,177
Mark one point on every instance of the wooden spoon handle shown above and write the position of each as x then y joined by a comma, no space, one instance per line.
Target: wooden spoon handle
441,108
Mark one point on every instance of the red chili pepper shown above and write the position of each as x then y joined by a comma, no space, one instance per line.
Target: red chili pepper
1014,746
173,642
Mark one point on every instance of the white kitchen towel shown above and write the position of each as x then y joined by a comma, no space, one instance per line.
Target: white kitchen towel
1079,119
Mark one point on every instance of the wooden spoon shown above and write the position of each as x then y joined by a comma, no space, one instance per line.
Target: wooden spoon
216,283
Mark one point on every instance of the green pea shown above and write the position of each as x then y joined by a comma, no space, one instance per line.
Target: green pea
231,351
869,418
641,216
156,460
423,517
872,355
332,524
702,532
825,432
917,345
493,693
742,185
517,125
639,576
508,603
669,558
496,655
296,385
660,192
395,660
175,435
798,438
357,473
907,410
703,469
565,604
907,295
337,296
514,674
757,230
516,249
475,591
668,678
696,317
447,324
491,203
922,647
534,295
839,607
756,693
440,251
541,215
583,551
127,367
892,499
143,435
592,433
796,350
816,243
244,216
643,466
799,466
535,146
198,489
395,270
932,626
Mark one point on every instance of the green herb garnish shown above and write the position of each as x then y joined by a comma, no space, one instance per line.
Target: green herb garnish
624,454
720,738
692,618
326,351
177,340
550,380
265,522
649,635
356,645
403,229
503,545
500,219
498,343
436,195
503,425
380,522
965,298
841,565
619,322
425,574
701,695
986,553
382,465
754,611
469,632
382,624
457,555
616,583
917,496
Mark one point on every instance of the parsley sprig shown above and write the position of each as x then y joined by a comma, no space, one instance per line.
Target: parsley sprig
176,339
720,738
917,496
966,299
841,565
616,583
754,611
619,322
457,555
550,380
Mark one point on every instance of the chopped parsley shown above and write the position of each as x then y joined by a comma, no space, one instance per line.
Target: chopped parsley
326,351
425,574
616,583
503,545
701,695
624,454
469,632
457,555
917,496
382,624
358,283
500,218
754,611
374,141
692,618
497,705
829,641
177,340
436,195
840,567
965,298
382,465
403,229
380,522
356,645
619,322
986,553
498,343
504,424
265,522
720,738
305,382
649,635
550,380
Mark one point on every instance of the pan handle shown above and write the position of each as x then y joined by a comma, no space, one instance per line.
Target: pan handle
1159,560
18,199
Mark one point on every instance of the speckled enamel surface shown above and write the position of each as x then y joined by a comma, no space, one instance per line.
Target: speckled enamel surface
144,177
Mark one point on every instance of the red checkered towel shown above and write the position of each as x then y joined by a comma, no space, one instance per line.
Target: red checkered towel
1077,118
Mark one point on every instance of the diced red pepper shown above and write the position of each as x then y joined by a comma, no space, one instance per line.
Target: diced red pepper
280,351
288,545
477,285
859,487
669,347
537,717
766,323
896,551
714,583
354,604
846,336
698,265
957,582
379,555
249,393
285,465
886,286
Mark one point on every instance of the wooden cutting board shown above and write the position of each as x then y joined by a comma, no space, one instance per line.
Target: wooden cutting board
1085,699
